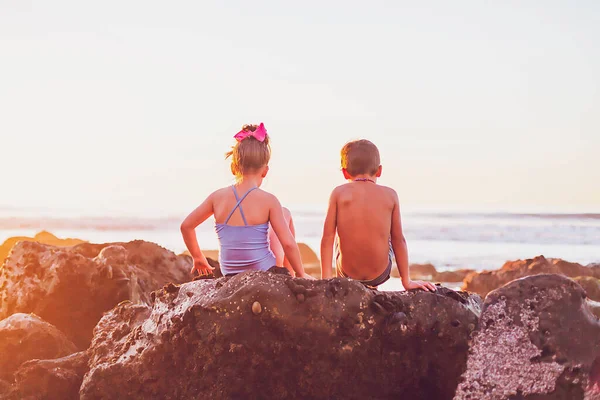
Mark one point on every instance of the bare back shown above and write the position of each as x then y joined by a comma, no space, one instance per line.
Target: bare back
254,206
364,223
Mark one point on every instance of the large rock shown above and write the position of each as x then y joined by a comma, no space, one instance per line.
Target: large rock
265,335
72,287
486,281
25,337
536,340
42,237
429,273
591,286
50,379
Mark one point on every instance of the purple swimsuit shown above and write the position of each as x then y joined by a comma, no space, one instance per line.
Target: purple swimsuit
244,248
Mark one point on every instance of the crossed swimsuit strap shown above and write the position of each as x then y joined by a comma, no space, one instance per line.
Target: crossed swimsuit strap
239,205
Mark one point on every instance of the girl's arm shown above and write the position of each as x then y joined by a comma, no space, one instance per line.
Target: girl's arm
329,230
188,230
282,230
401,252
286,262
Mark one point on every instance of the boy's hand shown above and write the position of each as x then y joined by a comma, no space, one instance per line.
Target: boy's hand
426,286
202,267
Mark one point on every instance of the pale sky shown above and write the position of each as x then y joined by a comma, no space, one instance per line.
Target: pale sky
129,106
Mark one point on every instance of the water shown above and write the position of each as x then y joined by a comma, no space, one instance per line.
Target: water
448,240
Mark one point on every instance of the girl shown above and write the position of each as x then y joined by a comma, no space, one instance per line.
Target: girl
243,212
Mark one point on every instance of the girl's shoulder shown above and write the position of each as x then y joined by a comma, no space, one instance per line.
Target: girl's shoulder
265,195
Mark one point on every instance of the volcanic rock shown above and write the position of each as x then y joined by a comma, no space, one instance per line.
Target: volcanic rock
265,335
25,337
486,281
42,237
72,287
536,340
590,285
51,379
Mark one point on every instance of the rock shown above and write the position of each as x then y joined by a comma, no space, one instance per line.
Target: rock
4,388
594,307
536,340
72,287
204,341
51,379
590,285
429,273
417,271
422,271
42,237
486,281
25,337
452,276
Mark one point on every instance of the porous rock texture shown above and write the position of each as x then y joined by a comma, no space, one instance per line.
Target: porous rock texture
267,335
25,337
50,379
72,287
536,340
486,281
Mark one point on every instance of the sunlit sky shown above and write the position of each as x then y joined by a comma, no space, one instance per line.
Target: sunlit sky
129,106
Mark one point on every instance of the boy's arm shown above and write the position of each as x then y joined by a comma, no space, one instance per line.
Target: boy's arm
329,231
188,231
401,251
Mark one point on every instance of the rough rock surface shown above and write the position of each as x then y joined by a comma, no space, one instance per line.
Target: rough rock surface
72,287
25,337
50,379
266,335
536,340
486,281
42,237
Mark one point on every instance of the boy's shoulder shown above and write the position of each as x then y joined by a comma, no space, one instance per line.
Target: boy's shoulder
348,186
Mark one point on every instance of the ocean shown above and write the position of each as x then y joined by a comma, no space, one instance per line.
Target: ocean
448,240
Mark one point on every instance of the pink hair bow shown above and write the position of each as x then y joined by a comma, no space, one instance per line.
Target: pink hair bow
259,134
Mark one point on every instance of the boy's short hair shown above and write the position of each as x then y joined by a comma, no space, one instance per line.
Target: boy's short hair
360,157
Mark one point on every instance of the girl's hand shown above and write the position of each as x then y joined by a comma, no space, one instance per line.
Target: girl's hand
203,268
426,286
309,277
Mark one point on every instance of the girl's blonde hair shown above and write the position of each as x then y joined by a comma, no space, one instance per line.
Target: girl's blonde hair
250,154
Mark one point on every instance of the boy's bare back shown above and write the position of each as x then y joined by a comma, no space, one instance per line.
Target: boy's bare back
364,221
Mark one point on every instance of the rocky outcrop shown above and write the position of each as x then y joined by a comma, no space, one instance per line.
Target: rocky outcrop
536,340
266,335
72,287
25,337
486,281
50,379
591,286
429,273
42,237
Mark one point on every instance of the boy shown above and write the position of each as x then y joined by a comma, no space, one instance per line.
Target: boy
366,218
